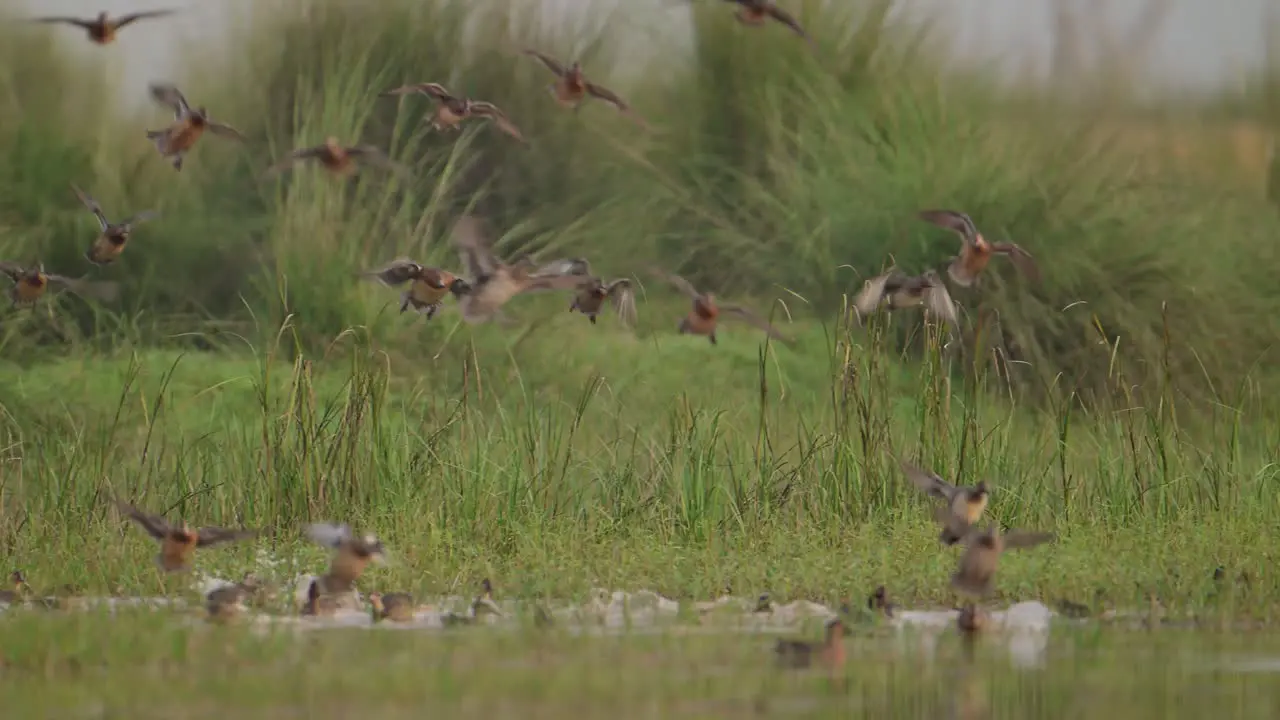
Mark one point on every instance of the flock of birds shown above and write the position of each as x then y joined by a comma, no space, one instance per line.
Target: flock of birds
481,292
959,511
489,283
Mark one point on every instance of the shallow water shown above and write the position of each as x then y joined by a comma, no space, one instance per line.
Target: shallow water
618,655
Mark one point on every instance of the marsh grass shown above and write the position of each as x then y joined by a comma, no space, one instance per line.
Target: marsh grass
773,473
246,379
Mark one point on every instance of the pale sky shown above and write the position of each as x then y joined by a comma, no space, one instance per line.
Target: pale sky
1201,43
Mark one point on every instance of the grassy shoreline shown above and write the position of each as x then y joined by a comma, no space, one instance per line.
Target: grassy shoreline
561,487
246,379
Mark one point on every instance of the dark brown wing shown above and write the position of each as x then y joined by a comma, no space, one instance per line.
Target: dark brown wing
489,110
171,97
432,90
373,156
86,24
141,217
785,18
134,17
1021,259
397,272
309,153
102,290
471,239
1023,539
554,282
679,283
752,318
608,95
552,64
623,295
13,270
611,97
222,129
93,206
155,525
930,483
954,221
216,535
566,266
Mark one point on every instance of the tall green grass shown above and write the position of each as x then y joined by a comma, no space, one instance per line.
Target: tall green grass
246,377
485,465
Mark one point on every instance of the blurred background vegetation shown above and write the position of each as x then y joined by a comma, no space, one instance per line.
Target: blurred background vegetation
773,172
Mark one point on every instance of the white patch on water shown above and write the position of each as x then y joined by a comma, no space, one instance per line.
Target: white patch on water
1244,665
1023,626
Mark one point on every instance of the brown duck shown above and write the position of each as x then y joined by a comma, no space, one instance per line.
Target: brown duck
571,87
430,285
452,110
179,542
705,316
755,13
352,554
878,603
592,291
961,506
189,124
493,282
19,591
975,250
103,29
31,283
484,603
339,159
319,604
977,569
801,654
396,607
112,237
894,290
227,602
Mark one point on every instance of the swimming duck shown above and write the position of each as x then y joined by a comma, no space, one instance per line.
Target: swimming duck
227,602
801,654
396,607
18,581
352,554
